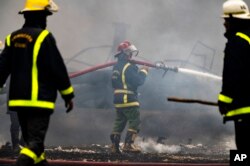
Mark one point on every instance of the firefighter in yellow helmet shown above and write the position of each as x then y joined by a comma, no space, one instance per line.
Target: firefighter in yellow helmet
37,71
234,99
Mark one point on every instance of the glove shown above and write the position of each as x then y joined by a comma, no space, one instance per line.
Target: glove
69,105
224,107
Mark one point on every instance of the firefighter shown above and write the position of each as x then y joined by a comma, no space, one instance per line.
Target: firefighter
234,99
37,71
126,78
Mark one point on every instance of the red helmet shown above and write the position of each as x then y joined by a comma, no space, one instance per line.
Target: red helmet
127,48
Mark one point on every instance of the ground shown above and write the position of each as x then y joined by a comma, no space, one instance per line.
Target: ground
98,153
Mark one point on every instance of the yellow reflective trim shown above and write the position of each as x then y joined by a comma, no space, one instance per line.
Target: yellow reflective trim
125,97
29,153
8,40
127,105
133,130
244,36
239,111
67,91
144,71
41,158
30,103
225,99
36,49
123,91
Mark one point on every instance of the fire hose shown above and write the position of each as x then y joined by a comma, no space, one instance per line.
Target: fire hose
157,65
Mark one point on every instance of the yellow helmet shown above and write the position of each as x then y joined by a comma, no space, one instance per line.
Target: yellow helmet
36,5
235,9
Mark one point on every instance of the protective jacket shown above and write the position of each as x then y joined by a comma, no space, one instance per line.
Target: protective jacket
126,78
36,67
236,78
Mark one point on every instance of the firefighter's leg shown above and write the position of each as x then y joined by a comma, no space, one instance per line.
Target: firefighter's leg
28,157
21,140
133,116
24,160
241,139
115,139
129,145
34,126
14,131
119,125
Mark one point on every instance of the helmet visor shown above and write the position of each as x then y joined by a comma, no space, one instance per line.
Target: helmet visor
131,50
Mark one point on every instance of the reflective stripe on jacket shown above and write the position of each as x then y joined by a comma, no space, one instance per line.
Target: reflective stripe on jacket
126,78
37,70
236,77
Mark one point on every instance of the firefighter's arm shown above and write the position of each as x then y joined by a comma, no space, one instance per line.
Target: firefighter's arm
60,74
68,95
224,103
136,76
5,57
64,85
144,69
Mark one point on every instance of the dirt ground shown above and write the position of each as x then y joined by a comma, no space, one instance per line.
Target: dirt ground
99,153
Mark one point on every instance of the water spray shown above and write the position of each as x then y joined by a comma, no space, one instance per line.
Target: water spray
161,65
198,73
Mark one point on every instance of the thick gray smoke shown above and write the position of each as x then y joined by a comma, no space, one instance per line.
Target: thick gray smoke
181,33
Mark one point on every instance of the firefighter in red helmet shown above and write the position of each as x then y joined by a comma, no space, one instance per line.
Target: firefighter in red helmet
126,78
37,71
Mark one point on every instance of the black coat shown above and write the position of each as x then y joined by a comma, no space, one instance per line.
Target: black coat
236,71
35,78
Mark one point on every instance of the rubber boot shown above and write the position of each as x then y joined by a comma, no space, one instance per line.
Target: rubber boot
115,139
43,163
129,146
24,160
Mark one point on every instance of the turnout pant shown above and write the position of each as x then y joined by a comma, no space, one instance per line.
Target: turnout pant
124,115
14,130
242,139
34,125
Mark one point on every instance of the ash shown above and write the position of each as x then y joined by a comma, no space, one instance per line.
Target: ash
188,153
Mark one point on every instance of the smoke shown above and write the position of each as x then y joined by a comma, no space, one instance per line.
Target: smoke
186,34
151,146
